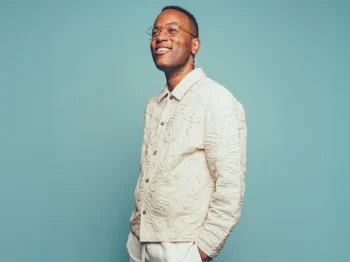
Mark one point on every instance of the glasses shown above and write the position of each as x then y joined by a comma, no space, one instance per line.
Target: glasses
170,29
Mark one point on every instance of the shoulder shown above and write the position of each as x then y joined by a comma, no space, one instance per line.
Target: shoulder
217,94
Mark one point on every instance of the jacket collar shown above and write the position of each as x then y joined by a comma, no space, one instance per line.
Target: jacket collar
185,84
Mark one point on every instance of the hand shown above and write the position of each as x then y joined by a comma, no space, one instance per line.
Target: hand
202,254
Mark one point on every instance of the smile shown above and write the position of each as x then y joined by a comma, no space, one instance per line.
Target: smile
162,50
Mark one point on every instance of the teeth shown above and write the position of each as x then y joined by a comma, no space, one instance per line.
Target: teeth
163,49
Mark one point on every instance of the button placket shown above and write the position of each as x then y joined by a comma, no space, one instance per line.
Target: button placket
160,129
156,158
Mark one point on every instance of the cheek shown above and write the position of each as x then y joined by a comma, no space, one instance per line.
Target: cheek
152,45
182,50
176,54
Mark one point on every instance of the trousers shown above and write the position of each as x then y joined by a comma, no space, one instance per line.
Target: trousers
161,251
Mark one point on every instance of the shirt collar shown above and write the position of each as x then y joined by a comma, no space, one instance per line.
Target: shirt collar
185,84
163,94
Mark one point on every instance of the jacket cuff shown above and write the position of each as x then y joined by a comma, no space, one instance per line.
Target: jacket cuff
206,249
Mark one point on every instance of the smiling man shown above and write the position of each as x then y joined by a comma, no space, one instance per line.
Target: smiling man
190,190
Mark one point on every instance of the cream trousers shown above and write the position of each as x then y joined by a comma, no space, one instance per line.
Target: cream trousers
161,251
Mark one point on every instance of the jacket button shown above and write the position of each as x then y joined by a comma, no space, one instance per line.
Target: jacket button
155,152
144,212
147,180
162,123
171,97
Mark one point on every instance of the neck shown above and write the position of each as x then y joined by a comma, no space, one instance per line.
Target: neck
174,78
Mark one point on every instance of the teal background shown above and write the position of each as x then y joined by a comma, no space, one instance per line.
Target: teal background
75,77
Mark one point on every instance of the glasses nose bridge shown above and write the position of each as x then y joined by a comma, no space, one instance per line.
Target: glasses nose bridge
161,29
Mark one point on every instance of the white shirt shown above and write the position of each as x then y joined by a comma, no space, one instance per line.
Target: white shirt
193,162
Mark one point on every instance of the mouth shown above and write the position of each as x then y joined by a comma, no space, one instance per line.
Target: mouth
161,50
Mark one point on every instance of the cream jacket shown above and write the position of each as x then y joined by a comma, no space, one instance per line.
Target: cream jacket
193,162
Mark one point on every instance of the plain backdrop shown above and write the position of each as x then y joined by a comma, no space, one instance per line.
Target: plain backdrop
75,77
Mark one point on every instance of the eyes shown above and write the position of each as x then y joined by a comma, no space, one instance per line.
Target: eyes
170,30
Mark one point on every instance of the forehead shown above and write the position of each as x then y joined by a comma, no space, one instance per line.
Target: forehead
171,15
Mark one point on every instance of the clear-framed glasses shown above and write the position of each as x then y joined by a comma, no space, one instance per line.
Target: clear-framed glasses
170,29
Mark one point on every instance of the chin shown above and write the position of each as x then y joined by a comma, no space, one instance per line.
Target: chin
162,63
165,67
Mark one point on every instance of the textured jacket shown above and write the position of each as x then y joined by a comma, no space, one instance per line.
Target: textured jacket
193,162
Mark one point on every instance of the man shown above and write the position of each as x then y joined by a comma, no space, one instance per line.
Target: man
189,194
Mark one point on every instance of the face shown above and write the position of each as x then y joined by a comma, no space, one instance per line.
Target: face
173,53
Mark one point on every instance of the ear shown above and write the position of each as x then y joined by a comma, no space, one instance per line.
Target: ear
196,44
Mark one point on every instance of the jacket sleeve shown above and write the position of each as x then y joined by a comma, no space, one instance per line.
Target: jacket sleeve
225,136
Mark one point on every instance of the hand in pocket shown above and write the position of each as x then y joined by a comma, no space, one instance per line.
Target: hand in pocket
202,254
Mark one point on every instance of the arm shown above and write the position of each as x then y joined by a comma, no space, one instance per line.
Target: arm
225,148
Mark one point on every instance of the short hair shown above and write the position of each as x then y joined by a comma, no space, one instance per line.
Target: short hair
188,14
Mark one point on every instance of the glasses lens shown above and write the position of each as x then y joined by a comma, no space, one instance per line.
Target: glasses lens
152,32
171,29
